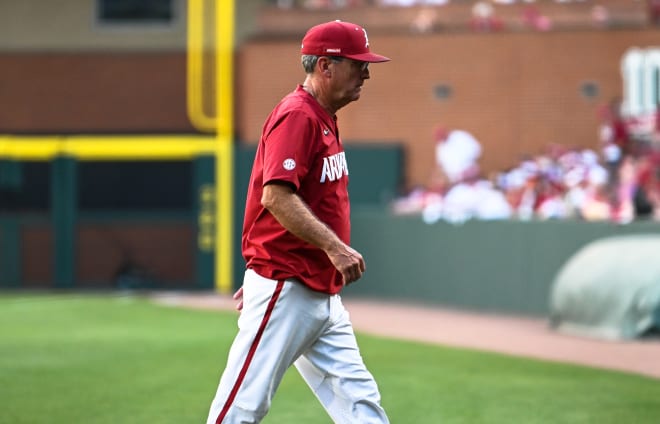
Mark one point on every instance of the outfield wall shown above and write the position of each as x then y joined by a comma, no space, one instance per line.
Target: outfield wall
504,266
45,242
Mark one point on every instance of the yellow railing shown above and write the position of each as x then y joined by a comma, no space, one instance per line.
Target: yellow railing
222,123
158,147
199,50
94,147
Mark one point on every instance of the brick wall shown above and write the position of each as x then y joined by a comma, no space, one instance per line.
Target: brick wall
93,92
516,92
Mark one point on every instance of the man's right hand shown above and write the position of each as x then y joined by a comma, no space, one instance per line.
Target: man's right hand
349,262
294,215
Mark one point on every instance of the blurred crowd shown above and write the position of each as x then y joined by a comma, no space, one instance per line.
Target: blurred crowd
341,4
492,16
619,181
344,4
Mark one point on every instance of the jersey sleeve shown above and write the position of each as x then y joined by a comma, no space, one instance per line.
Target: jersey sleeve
289,149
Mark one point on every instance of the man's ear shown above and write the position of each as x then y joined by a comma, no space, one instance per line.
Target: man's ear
324,65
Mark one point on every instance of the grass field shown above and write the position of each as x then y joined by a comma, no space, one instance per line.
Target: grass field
121,359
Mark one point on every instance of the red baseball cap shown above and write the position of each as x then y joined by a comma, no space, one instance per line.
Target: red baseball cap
342,39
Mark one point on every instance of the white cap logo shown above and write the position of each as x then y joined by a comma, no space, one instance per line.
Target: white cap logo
366,38
289,164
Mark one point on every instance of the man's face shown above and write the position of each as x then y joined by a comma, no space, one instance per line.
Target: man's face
348,75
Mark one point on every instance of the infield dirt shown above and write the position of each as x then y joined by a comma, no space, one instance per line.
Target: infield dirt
511,335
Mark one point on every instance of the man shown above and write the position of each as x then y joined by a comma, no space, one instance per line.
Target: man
296,246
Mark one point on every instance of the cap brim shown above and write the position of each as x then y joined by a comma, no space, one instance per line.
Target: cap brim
368,57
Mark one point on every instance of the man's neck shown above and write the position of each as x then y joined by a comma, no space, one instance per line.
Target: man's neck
317,92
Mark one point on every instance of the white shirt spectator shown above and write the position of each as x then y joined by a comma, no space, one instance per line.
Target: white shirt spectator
491,203
465,201
400,3
457,154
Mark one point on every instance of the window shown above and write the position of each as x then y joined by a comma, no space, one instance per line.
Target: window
640,69
135,11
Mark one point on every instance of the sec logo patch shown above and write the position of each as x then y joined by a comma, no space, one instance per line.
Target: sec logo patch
289,164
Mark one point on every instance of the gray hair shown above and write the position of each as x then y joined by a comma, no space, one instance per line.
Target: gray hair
309,61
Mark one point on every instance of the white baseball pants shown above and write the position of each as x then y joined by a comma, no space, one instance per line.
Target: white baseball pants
284,323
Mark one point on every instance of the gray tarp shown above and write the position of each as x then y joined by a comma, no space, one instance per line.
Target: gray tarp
609,289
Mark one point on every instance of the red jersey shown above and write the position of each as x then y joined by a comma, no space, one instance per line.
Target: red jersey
299,145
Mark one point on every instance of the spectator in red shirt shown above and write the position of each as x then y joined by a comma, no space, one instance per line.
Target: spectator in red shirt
654,12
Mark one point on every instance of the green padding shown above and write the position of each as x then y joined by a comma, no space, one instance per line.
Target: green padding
203,179
505,266
64,204
10,252
11,175
376,173
610,288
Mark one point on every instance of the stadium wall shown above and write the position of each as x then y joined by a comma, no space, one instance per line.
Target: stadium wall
498,266
503,266
517,92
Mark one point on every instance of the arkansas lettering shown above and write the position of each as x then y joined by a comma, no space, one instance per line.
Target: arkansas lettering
334,167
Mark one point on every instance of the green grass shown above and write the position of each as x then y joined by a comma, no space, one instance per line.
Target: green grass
119,359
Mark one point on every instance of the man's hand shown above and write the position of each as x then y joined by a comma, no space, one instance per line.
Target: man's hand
294,215
238,296
348,261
